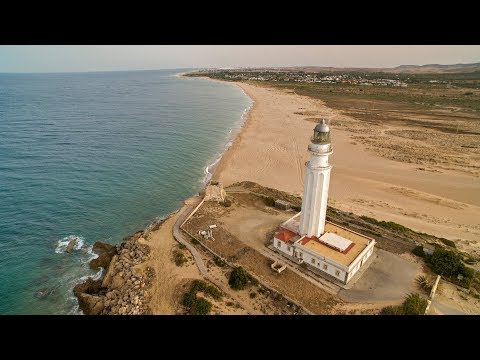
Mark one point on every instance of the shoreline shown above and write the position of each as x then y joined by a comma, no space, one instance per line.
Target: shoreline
87,287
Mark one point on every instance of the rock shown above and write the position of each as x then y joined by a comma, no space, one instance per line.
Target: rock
70,245
41,294
105,254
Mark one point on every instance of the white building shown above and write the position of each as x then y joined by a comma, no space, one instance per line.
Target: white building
307,237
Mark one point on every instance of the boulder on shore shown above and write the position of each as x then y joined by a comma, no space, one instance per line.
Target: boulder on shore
105,254
70,245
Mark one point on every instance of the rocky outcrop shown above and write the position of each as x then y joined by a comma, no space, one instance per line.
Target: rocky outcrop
123,290
70,245
105,254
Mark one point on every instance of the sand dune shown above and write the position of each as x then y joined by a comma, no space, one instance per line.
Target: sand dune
272,149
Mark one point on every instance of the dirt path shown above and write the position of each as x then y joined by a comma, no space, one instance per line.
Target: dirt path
169,278
179,236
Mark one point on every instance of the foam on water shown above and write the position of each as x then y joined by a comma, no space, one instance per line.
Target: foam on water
63,243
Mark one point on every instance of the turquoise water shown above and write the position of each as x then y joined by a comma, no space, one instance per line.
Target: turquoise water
96,156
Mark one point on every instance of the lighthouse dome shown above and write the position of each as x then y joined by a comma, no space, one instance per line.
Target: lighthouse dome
321,133
322,127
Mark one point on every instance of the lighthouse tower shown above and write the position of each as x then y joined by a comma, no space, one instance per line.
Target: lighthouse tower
317,180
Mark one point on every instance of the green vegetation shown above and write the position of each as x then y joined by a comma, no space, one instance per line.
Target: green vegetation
413,304
238,278
179,258
182,247
201,307
253,295
194,241
297,208
448,242
219,262
418,250
385,224
269,201
424,283
449,264
196,305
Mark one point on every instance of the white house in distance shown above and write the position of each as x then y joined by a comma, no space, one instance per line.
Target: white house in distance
307,237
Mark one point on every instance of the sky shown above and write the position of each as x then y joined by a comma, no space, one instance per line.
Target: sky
77,58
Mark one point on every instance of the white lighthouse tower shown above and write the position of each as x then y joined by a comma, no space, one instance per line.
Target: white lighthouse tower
317,180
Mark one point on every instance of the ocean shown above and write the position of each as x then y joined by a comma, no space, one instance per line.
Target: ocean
97,156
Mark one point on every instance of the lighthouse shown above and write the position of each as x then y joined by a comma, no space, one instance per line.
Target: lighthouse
317,180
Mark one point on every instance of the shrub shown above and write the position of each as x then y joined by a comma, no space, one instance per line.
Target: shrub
194,241
424,283
238,278
269,201
179,258
226,203
418,250
182,247
297,208
448,242
219,262
201,307
196,305
445,262
253,295
391,310
414,305
390,225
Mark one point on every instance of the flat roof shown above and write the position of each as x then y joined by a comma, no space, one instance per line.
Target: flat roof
360,243
335,241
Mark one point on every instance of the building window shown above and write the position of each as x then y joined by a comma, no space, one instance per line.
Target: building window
313,261
300,255
337,272
279,244
289,248
325,267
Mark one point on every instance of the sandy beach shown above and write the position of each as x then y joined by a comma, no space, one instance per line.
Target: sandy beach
271,150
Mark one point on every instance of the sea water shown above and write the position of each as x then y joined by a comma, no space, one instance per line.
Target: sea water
96,157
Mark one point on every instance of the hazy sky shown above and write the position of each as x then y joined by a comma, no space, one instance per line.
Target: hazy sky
42,58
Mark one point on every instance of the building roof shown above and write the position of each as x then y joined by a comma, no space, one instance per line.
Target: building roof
284,235
358,244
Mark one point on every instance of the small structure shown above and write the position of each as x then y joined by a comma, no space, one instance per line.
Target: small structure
283,205
278,266
215,192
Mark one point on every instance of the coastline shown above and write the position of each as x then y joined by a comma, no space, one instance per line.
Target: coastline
242,160
110,291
